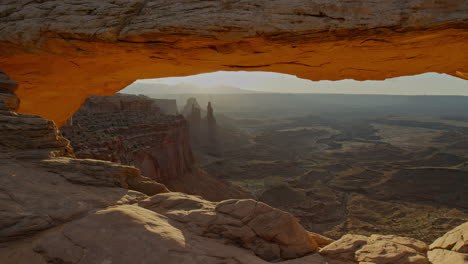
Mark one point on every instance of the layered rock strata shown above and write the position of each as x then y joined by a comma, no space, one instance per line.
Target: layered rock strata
26,136
43,186
179,228
131,130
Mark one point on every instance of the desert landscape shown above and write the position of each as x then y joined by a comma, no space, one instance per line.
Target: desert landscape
307,171
345,172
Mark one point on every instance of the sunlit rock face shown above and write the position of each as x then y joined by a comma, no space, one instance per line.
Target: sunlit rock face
61,51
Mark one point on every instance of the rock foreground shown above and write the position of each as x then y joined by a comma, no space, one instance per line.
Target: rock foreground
58,209
64,51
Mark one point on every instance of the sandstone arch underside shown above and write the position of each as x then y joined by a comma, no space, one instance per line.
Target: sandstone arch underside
63,51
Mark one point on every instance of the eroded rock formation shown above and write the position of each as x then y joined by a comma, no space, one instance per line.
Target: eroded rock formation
65,51
203,130
131,130
211,124
57,209
43,186
451,248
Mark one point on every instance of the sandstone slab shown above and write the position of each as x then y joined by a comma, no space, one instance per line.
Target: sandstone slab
378,249
451,247
272,234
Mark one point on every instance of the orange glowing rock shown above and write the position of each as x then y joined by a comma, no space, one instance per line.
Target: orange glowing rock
88,47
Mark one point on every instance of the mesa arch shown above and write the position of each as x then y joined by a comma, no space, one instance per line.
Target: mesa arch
61,52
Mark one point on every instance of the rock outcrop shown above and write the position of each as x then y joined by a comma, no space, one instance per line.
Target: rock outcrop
63,51
211,124
43,186
58,209
451,248
204,131
26,136
195,123
179,228
131,130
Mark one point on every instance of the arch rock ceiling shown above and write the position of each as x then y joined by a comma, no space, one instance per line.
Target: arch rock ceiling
61,51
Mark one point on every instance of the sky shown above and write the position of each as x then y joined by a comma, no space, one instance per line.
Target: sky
423,84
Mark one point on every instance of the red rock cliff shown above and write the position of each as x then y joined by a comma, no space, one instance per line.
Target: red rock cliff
132,130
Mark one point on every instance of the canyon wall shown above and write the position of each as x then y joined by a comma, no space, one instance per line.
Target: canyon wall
64,51
132,130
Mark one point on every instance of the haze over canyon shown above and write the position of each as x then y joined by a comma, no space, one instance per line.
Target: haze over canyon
100,165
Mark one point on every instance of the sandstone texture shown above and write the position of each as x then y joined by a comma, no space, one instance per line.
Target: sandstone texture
58,209
180,228
43,186
451,248
26,136
138,22
131,130
377,249
64,51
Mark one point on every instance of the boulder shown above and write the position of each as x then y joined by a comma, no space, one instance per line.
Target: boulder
270,233
376,249
455,240
451,248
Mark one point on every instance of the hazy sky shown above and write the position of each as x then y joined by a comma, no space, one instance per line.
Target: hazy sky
428,83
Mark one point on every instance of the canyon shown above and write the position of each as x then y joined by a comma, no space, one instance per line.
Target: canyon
132,130
61,205
59,209
340,164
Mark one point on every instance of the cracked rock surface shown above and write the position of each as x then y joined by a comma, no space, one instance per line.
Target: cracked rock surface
145,20
451,247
